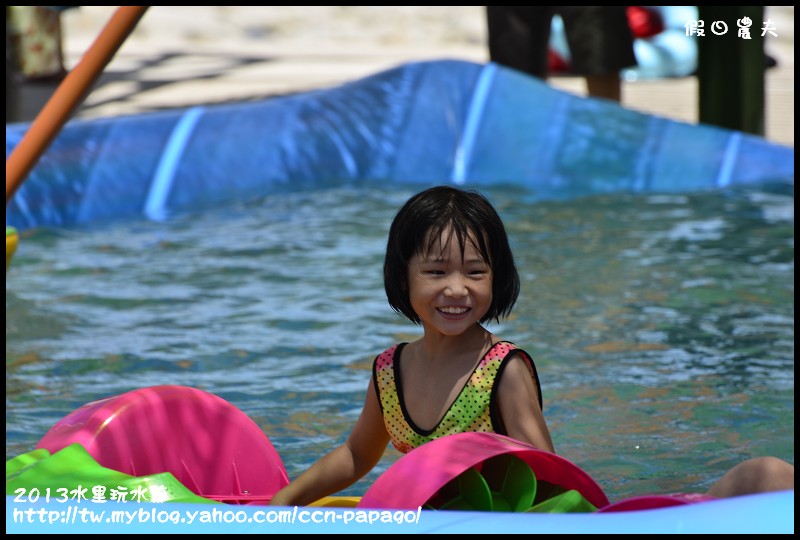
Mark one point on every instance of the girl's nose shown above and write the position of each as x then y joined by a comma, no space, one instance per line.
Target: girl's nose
455,287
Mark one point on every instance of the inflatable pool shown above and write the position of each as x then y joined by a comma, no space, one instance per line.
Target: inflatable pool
417,124
188,452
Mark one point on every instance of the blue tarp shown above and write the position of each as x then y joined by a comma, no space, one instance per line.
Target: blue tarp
421,123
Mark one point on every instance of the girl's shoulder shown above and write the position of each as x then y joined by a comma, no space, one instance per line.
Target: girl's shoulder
387,357
503,347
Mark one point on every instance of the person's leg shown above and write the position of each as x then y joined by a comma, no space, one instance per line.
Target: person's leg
755,475
605,86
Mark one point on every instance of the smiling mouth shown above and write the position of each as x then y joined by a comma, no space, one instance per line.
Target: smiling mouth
453,310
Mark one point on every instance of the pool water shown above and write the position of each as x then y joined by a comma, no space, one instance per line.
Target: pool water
662,325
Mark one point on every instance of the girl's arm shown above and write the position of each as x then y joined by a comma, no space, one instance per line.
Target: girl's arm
519,406
346,464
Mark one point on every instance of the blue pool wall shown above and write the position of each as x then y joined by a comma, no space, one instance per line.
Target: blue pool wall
422,123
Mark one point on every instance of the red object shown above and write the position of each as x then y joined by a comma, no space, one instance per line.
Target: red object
556,64
651,502
644,22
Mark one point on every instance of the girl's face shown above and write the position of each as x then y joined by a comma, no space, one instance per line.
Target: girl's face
448,291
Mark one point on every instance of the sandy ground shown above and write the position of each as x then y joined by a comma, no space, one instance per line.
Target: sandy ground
181,56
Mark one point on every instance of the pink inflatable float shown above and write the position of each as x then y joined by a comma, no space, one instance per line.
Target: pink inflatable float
210,446
469,471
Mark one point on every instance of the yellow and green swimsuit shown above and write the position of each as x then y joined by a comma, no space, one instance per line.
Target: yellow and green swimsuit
475,408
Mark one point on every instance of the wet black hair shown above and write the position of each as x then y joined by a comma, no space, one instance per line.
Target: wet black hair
422,220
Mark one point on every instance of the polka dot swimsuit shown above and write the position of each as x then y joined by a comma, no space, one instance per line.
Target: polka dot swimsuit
475,408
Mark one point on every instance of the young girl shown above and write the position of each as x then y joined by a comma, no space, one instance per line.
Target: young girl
449,267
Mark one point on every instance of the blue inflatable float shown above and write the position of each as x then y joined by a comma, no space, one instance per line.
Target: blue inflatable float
419,123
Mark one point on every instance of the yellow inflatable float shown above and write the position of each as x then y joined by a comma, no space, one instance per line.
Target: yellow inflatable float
12,239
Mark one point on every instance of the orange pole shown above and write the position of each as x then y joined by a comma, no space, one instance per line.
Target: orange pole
69,94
